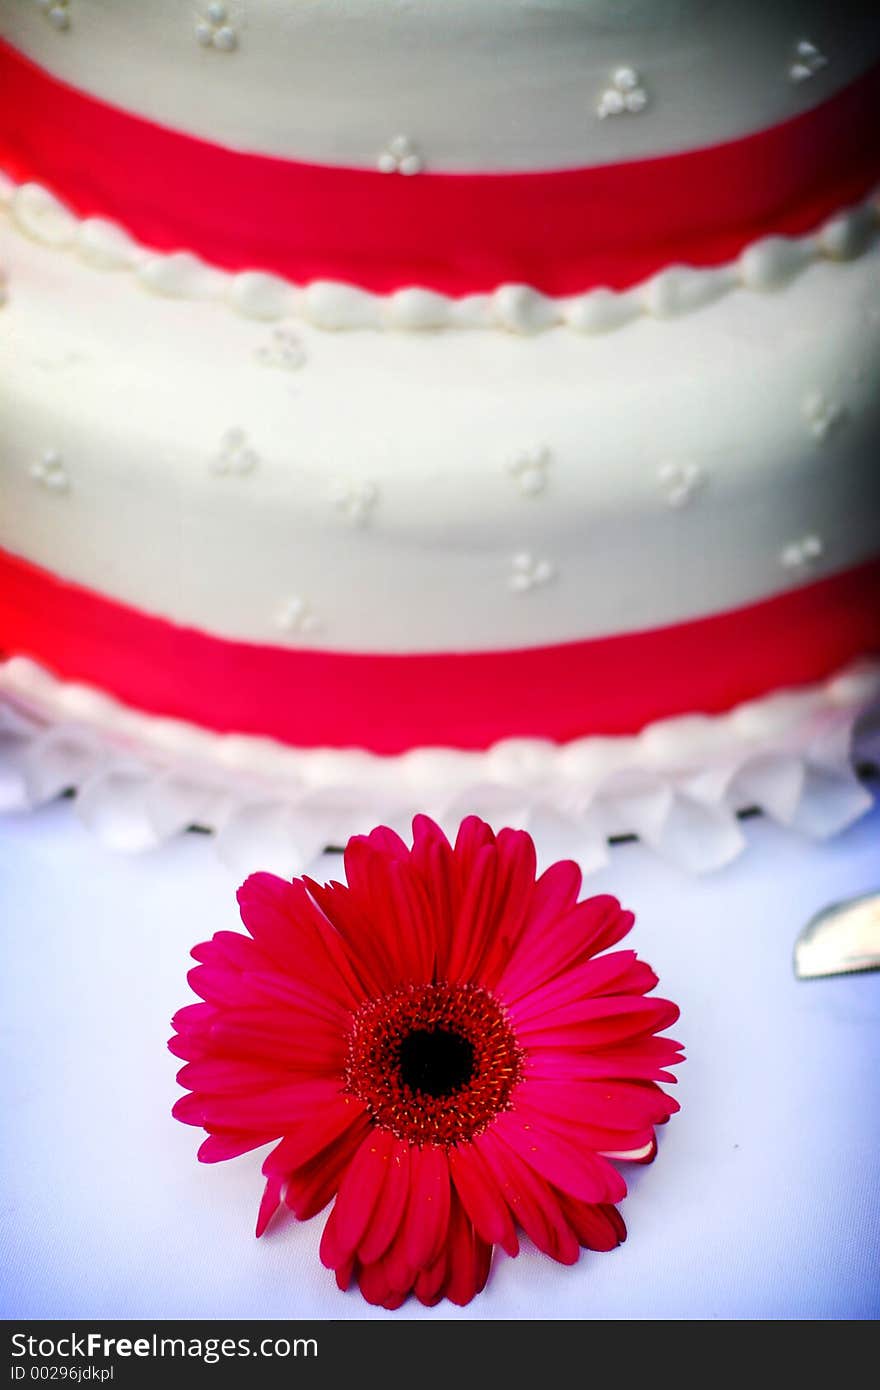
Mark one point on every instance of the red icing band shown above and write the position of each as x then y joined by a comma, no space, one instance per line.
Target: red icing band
560,232
611,685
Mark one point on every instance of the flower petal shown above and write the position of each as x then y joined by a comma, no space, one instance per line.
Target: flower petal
597,1227
359,1193
427,1213
232,950
324,1125
433,860
269,1204
299,997
617,1105
377,1288
278,1036
481,1198
577,1131
599,1022
531,1200
645,1153
642,1058
388,1213
589,927
517,864
222,1145
316,1182
286,923
281,1108
468,1260
349,913
193,1019
430,1282
612,975
227,1076
394,1264
573,1170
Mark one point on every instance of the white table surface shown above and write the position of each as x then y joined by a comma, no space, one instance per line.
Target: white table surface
764,1201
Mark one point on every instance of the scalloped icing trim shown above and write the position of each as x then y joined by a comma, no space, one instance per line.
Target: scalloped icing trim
764,266
680,785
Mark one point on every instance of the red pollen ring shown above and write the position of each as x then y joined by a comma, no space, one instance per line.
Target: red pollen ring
375,1075
562,232
391,703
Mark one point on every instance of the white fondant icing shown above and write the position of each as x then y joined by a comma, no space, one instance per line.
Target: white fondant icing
43,217
106,246
479,84
256,295
143,388
678,785
181,275
770,263
766,266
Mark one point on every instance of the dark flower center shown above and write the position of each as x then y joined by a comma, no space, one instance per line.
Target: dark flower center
437,1062
433,1063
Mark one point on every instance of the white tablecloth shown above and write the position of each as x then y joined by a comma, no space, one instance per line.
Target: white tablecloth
764,1201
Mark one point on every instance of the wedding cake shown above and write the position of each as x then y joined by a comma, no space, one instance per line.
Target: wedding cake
443,405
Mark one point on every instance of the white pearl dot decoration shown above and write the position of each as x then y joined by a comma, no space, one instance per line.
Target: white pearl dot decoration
529,572
356,501
625,95
235,457
50,472
214,28
803,554
823,416
679,481
297,615
56,12
529,469
400,156
808,60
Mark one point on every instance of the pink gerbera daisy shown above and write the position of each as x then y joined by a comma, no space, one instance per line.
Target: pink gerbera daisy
439,1049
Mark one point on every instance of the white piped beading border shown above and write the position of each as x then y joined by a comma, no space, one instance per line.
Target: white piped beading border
766,265
679,785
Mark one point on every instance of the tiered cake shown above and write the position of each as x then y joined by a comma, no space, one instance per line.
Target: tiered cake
445,405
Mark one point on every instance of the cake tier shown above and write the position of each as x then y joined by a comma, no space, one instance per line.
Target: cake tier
655,495
560,232
472,84
393,493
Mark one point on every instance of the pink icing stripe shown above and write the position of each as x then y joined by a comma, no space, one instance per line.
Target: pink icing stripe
561,232
389,703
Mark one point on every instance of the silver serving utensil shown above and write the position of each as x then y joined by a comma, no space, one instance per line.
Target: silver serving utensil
840,940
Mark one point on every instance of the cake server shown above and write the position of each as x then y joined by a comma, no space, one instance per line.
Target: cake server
841,939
